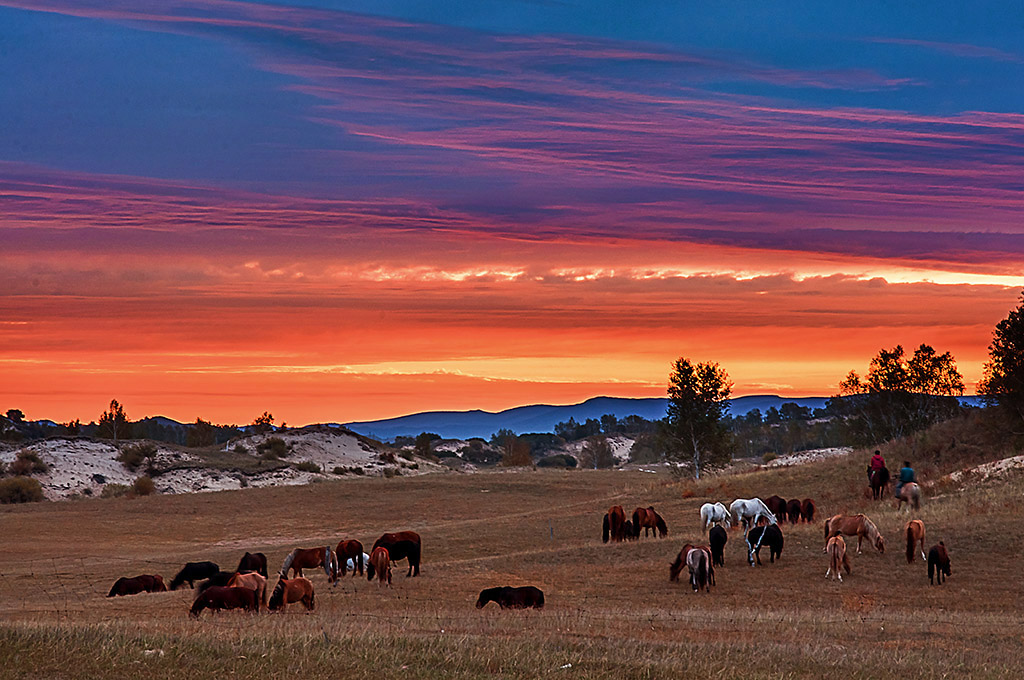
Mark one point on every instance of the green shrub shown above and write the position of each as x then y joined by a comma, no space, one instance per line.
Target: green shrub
114,490
392,472
563,460
273,448
240,448
769,456
307,466
143,486
27,463
355,470
134,455
20,490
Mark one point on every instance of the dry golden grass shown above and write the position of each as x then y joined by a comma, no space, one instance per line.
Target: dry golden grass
611,611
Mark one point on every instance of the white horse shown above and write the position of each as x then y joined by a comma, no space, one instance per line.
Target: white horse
753,510
352,565
714,513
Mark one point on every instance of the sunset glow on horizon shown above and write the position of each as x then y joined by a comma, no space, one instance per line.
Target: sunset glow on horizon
350,211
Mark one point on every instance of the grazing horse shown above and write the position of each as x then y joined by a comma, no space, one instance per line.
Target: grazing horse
777,504
627,531
752,511
938,561
346,551
770,535
221,578
650,521
508,597
256,562
193,571
854,525
915,534
676,567
309,558
143,583
718,537
613,525
911,495
807,510
401,545
878,480
254,582
292,590
217,598
793,510
837,558
714,513
380,562
699,564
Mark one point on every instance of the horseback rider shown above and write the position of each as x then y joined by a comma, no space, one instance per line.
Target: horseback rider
906,476
877,463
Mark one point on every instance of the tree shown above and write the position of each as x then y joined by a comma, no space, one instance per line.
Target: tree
15,415
423,443
693,428
263,424
515,451
597,452
1002,381
113,423
202,433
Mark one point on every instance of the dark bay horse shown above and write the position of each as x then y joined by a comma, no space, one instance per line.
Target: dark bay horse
380,562
402,545
297,589
807,510
649,521
777,505
193,571
221,578
938,561
718,537
878,480
770,535
347,550
223,597
613,526
309,558
793,509
508,597
256,562
143,583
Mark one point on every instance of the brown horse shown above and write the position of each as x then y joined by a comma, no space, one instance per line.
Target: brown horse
288,591
222,597
346,550
915,534
143,583
938,560
837,558
807,510
777,505
649,521
309,558
380,562
676,567
508,597
256,562
614,524
793,510
854,525
911,495
254,582
878,480
401,545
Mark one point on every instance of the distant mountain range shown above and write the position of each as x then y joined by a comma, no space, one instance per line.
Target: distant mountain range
543,418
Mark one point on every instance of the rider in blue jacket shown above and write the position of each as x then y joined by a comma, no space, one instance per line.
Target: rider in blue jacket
906,475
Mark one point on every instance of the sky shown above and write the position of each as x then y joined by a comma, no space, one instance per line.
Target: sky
342,210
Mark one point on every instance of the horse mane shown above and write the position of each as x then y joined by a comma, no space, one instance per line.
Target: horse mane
288,562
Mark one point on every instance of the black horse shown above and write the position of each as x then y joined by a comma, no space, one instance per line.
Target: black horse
938,561
878,479
512,598
401,545
717,537
253,562
772,537
193,571
219,578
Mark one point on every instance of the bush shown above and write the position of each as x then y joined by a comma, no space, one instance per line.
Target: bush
307,466
27,463
239,448
562,460
392,472
115,490
20,490
273,447
769,456
134,455
143,486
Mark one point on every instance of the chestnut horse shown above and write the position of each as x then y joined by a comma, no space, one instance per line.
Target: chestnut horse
793,510
380,562
254,582
508,597
650,521
346,550
193,571
777,505
614,524
807,510
309,558
143,583
938,560
401,545
256,562
676,567
854,525
223,597
837,558
292,590
911,495
915,534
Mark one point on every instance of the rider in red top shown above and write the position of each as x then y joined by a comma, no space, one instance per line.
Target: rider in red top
877,463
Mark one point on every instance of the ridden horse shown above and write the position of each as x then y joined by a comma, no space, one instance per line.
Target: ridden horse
217,598
221,578
750,510
714,513
911,495
254,582
807,510
770,535
854,525
878,480
717,537
793,509
256,562
699,564
837,558
380,562
650,521
938,561
508,597
401,545
143,583
310,558
613,525
193,571
915,534
676,567
286,591
346,551
777,504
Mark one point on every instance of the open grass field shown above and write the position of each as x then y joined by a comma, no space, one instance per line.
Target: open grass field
611,611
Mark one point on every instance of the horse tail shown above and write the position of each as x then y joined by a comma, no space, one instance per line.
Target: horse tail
358,561
702,571
605,530
330,562
826,527
910,544
662,527
287,563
